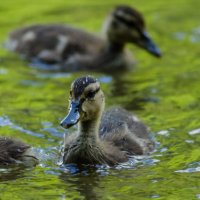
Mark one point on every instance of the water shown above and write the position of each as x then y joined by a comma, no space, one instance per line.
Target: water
164,93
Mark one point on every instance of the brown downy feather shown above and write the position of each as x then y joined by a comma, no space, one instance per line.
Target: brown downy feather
12,151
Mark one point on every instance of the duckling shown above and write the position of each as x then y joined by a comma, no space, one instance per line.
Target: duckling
102,137
14,151
74,50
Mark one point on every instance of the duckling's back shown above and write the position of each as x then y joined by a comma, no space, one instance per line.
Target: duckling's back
126,131
38,40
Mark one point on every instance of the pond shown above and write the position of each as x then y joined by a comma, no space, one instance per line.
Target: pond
164,93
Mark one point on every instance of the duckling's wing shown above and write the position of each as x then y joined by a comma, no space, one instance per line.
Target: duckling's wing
125,131
118,118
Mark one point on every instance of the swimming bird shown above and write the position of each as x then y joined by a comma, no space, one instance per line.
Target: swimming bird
74,49
14,151
102,137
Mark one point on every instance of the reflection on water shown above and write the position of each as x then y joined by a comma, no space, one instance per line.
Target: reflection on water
193,36
12,173
194,132
84,184
193,167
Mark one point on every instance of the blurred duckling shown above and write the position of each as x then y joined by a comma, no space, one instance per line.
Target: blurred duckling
102,137
14,151
76,50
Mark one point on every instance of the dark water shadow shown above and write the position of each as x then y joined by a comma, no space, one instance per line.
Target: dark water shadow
13,172
85,180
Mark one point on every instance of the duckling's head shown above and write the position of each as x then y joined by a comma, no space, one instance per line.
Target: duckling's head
126,24
86,101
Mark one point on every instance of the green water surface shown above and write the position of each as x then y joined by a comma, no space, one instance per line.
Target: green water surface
164,93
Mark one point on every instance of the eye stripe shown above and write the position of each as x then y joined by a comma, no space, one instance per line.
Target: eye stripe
91,94
129,23
125,21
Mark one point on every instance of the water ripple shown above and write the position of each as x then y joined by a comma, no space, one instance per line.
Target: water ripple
163,132
48,127
5,121
48,157
179,35
193,167
198,196
189,170
194,132
135,161
3,71
155,196
54,132
195,36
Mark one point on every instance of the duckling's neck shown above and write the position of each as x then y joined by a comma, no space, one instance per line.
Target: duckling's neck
89,130
115,47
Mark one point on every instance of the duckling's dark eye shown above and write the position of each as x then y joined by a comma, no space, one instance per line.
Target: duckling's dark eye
91,94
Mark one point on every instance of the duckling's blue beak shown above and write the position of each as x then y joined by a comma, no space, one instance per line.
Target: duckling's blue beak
147,43
73,116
